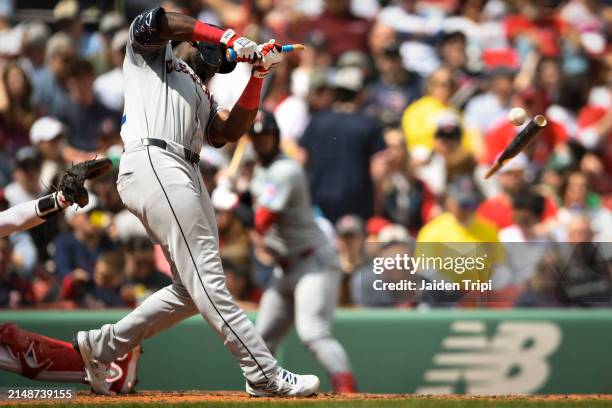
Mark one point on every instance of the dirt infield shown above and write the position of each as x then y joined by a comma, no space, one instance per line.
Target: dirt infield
191,397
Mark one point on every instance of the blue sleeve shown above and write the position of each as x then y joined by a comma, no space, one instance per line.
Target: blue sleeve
144,32
377,142
61,257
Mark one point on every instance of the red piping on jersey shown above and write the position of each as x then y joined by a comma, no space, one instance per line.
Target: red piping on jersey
207,33
249,100
264,219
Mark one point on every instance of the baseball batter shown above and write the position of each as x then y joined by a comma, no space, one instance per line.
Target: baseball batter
169,113
306,281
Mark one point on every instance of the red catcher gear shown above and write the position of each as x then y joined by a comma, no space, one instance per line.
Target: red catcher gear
43,358
344,383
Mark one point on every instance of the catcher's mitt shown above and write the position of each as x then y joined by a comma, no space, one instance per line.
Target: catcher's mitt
72,182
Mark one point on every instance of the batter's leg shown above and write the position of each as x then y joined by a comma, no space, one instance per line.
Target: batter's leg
275,315
167,196
316,296
163,309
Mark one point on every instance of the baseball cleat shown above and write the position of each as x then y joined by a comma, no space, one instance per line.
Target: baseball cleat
95,371
285,384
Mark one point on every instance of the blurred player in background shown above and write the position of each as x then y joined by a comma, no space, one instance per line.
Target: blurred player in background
306,282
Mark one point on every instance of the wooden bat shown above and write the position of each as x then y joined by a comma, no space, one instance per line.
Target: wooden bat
236,162
520,142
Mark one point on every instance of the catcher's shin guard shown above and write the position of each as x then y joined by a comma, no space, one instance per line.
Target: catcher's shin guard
43,358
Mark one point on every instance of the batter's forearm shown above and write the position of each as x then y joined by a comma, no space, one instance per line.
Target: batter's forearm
238,123
229,127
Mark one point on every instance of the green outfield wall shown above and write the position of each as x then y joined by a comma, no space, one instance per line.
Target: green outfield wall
393,351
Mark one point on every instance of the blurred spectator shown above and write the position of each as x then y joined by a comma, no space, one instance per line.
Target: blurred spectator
525,241
512,180
576,275
47,135
50,93
16,111
26,177
406,199
484,111
15,291
320,94
416,31
108,87
350,240
233,236
83,114
454,56
419,121
238,282
105,189
395,88
33,52
534,27
339,144
481,27
577,197
573,95
527,214
100,289
459,223
143,279
449,159
393,241
443,236
70,20
339,28
211,161
110,24
77,251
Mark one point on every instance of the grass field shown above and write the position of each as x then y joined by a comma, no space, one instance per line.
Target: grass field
240,400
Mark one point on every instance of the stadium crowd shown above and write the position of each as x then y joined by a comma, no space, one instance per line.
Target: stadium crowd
396,109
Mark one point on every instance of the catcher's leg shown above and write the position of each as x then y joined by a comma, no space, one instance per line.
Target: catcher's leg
43,358
275,315
313,320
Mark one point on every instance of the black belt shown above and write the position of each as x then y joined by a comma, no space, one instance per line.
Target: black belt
189,155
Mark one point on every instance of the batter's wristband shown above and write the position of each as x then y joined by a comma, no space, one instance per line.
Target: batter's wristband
251,95
206,33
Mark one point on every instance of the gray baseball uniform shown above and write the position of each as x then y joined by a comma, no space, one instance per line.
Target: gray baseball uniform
164,99
305,288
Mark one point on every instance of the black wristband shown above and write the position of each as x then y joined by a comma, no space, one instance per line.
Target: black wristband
47,206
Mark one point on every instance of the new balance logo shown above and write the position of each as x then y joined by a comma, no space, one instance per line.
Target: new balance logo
514,360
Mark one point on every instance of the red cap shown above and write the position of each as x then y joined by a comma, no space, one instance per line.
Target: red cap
376,224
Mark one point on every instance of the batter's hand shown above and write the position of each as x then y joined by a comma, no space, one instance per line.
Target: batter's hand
271,56
245,49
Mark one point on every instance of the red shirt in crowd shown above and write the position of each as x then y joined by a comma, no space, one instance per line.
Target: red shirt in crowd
498,210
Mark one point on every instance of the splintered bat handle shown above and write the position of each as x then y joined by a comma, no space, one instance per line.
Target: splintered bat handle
519,143
493,170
